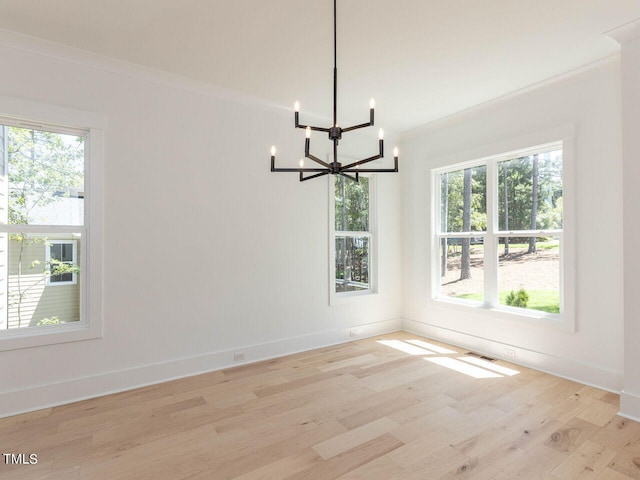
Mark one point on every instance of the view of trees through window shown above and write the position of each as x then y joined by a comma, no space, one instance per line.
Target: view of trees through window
352,236
42,183
527,195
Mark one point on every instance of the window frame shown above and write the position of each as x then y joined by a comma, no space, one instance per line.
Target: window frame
27,114
336,298
562,138
74,254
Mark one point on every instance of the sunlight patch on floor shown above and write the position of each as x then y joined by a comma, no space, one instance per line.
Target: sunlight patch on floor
406,347
468,365
431,346
509,372
463,367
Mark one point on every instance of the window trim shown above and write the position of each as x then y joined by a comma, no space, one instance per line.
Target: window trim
74,254
562,136
336,298
28,114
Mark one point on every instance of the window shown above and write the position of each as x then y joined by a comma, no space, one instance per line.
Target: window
498,239
50,258
351,236
42,225
61,262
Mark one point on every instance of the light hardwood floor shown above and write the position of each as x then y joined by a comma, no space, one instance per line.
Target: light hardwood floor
387,408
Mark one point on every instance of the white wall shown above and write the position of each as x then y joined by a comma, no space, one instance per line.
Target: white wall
205,251
628,36
590,101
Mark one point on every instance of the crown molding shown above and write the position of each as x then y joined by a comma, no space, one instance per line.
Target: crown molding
625,33
85,58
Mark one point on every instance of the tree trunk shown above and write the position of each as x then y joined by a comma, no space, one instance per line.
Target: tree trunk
346,276
22,237
534,202
506,205
465,267
445,223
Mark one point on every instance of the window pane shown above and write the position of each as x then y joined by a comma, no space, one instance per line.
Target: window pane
529,273
462,268
463,195
42,289
55,251
352,264
66,254
46,178
352,204
530,192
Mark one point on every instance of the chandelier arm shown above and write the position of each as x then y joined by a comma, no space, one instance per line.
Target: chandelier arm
316,129
354,179
292,169
374,170
361,162
355,127
370,159
307,154
302,179
317,160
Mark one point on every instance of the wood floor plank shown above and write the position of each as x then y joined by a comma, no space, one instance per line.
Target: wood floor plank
618,434
609,474
599,412
282,468
361,410
627,461
351,439
571,435
586,462
443,461
381,467
536,464
349,460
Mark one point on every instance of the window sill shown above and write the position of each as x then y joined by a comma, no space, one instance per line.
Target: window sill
46,335
350,297
562,322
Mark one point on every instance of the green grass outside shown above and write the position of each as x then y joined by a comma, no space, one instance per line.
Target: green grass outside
539,245
543,300
518,246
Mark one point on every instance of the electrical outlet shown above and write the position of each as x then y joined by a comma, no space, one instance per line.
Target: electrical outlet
509,352
238,356
354,333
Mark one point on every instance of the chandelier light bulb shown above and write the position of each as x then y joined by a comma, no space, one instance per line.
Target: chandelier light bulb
273,150
372,103
296,107
301,162
308,132
395,151
380,134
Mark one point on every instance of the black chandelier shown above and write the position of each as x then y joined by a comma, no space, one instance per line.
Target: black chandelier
335,134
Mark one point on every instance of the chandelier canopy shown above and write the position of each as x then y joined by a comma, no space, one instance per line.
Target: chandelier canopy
351,170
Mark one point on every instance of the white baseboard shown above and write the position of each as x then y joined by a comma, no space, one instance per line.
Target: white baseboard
629,406
558,366
50,395
46,396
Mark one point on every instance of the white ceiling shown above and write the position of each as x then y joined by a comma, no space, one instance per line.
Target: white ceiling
421,59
